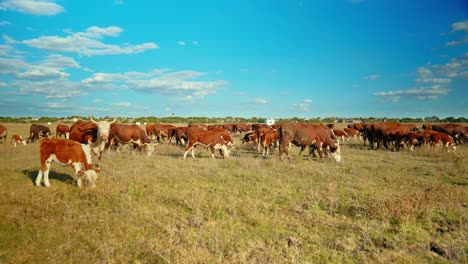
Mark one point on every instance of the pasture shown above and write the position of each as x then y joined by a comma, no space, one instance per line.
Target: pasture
373,207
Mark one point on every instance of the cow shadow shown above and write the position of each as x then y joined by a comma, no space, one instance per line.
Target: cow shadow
32,174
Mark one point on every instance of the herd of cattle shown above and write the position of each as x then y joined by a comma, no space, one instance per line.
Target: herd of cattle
86,137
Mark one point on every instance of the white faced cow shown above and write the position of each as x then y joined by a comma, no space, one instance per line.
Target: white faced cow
94,133
17,139
66,152
130,134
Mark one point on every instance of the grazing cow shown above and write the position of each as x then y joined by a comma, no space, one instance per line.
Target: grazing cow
213,139
306,135
17,139
180,135
241,127
66,152
161,132
340,134
443,139
62,130
150,131
269,140
352,133
250,136
3,133
457,132
130,134
94,133
36,131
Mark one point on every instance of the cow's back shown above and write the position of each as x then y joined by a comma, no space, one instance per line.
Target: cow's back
83,132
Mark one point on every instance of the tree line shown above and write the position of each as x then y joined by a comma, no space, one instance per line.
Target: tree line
229,119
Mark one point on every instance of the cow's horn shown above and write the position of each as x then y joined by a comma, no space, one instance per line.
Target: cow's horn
113,121
92,120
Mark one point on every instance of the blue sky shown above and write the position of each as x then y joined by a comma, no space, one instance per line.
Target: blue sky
245,58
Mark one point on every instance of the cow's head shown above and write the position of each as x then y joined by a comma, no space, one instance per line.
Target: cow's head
149,148
103,128
335,152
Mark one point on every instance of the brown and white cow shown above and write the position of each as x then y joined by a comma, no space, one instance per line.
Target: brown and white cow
269,140
161,132
130,134
94,133
308,135
3,133
36,131
17,139
214,139
439,138
352,133
62,130
66,152
340,134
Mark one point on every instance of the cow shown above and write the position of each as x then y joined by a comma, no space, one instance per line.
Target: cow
340,134
62,130
17,139
130,134
250,136
92,132
443,139
161,132
37,131
269,139
307,135
3,133
150,131
351,132
456,131
66,152
180,135
241,127
213,139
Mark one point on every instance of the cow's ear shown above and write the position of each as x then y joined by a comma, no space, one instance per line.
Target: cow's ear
97,170
80,173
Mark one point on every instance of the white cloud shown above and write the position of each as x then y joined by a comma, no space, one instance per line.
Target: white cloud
182,43
50,67
457,42
261,101
460,26
426,93
4,23
118,2
372,77
123,104
89,42
303,106
32,7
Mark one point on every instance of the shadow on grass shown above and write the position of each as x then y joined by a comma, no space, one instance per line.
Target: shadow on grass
32,174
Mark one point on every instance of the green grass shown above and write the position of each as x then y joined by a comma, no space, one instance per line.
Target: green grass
374,207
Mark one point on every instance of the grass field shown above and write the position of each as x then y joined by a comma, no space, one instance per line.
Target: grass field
373,207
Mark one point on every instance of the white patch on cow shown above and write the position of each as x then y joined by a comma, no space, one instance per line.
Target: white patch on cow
87,152
337,155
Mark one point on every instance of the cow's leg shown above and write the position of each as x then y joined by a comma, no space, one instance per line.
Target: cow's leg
212,148
46,173
39,177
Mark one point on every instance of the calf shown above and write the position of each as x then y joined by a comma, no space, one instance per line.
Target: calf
66,152
269,140
213,139
17,139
